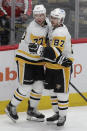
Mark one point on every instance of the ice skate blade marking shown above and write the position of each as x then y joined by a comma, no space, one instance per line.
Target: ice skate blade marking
29,118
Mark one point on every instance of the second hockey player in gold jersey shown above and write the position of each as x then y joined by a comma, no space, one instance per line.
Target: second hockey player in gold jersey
58,57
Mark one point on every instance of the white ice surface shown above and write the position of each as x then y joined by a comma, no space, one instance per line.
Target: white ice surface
76,121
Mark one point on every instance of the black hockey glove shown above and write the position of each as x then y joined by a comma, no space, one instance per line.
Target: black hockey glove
33,47
64,61
49,53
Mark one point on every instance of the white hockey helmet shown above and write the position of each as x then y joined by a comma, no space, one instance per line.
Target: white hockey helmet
58,13
39,9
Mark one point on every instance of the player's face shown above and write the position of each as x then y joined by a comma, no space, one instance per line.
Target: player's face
54,21
39,18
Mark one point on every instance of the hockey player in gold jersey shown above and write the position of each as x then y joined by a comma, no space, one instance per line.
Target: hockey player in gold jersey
58,57
30,66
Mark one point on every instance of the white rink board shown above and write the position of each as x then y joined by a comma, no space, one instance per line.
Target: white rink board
8,70
7,87
79,76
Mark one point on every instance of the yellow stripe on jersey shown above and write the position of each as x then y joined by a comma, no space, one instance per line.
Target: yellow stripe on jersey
58,42
38,39
27,54
67,78
72,59
27,62
55,66
21,72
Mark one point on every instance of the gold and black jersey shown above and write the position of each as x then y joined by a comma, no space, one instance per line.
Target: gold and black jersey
61,43
34,34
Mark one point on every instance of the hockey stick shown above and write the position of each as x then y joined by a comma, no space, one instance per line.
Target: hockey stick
78,91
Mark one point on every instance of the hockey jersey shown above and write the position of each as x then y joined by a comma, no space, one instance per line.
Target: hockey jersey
21,6
61,43
34,34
